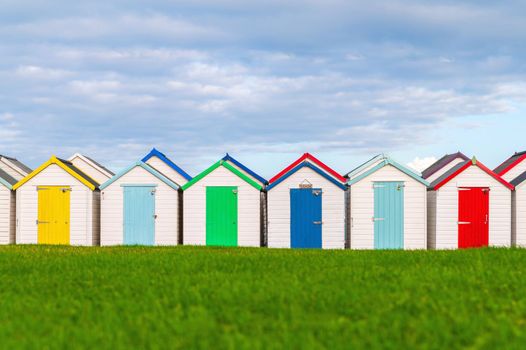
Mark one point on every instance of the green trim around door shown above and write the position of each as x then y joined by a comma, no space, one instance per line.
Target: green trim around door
221,216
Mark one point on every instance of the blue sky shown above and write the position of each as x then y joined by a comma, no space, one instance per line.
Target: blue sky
266,82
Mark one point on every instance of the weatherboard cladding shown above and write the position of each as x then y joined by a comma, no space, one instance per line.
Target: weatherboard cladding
442,165
83,207
7,213
91,168
519,211
443,207
166,205
166,167
14,167
514,167
362,205
249,205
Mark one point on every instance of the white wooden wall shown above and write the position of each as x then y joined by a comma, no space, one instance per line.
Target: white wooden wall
16,173
519,169
519,206
7,212
445,169
166,170
90,170
82,230
446,214
333,210
112,209
362,209
194,223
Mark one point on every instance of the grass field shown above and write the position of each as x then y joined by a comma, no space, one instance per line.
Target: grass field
258,298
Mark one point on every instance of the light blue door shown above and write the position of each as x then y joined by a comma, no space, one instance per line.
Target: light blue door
139,215
388,215
305,218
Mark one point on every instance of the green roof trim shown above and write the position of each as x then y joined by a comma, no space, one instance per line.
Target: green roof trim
227,166
384,162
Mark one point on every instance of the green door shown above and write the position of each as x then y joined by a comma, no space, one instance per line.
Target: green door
221,216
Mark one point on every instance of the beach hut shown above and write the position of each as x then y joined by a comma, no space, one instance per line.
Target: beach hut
306,206
13,167
57,204
139,206
513,170
167,167
387,206
7,208
443,165
91,168
519,211
469,206
222,207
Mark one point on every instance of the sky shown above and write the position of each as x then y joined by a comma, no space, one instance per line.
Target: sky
264,81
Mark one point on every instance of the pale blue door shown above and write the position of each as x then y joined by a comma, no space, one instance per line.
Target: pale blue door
388,215
139,215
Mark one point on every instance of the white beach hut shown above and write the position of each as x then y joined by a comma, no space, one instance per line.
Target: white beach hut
139,206
306,206
92,168
387,206
469,206
57,204
7,208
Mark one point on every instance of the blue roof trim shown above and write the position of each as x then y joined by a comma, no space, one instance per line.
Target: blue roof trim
145,167
229,158
313,167
388,161
156,153
6,184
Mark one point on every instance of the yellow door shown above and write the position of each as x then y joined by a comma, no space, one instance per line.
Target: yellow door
53,214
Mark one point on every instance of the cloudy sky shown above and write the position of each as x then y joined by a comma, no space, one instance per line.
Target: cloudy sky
265,81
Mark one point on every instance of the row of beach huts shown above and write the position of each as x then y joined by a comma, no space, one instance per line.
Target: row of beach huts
455,203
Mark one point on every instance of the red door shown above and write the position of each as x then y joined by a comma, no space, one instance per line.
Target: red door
473,217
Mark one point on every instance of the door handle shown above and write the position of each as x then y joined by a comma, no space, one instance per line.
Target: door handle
42,222
378,219
155,216
317,222
464,223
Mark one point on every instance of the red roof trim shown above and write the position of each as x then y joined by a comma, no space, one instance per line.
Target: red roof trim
513,165
482,167
308,156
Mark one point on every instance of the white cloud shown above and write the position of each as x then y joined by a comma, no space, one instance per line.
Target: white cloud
421,164
41,72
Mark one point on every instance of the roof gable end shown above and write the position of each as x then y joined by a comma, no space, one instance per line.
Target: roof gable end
311,158
155,153
228,167
240,165
510,163
441,163
307,164
145,167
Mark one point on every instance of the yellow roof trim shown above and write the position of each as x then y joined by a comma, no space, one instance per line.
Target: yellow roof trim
54,160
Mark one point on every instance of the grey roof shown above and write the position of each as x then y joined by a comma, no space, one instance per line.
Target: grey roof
79,172
8,178
442,162
17,163
509,162
99,165
448,173
519,179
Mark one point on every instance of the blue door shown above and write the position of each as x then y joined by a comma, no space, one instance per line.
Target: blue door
139,215
305,218
388,215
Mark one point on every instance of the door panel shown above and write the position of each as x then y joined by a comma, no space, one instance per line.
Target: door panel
53,214
139,215
473,217
306,218
221,216
388,215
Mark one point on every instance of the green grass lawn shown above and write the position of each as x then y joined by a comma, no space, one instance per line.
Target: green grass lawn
259,298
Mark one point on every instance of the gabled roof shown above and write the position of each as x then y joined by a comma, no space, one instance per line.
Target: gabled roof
306,164
145,167
442,162
66,166
227,166
93,163
519,179
17,163
365,165
167,161
7,180
510,163
383,161
308,157
459,168
229,158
